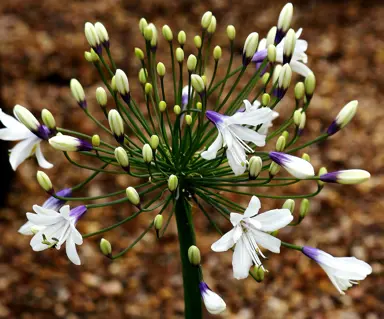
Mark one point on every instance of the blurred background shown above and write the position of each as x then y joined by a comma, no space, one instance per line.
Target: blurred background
42,47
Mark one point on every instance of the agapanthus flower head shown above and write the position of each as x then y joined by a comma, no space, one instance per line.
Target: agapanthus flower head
212,301
342,271
249,231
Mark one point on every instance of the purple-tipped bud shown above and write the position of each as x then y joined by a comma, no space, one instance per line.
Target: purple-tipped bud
68,143
296,166
77,212
43,132
212,301
350,176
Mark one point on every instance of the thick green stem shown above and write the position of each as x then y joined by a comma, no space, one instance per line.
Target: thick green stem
191,276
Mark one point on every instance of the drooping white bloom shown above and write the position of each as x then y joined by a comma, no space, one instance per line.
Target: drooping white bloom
296,166
212,301
299,57
234,136
52,229
29,141
342,271
249,231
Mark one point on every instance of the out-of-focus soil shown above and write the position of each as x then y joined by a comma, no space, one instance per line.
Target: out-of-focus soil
42,45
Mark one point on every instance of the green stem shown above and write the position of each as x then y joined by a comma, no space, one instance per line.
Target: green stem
192,298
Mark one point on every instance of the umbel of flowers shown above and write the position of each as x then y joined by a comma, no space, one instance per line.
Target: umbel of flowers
197,143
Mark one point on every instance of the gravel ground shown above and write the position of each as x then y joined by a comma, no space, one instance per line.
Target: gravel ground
42,47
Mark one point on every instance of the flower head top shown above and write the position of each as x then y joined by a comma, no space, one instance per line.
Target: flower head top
26,129
234,136
342,271
249,231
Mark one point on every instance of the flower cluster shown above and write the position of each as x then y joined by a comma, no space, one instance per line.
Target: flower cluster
214,140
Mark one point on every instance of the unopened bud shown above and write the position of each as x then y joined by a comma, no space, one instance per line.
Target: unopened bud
133,196
105,247
212,26
181,37
78,93
199,105
113,84
231,32
306,157
88,56
206,19
154,142
271,36
148,88
44,181
310,84
265,99
122,157
289,204
299,91
197,83
285,18
95,140
254,166
217,52
250,47
285,134
101,96
265,78
142,25
304,209
167,33
343,118
188,119
276,73
297,116
285,77
322,171
158,221
197,41
303,120
48,119
289,46
160,69
95,58
147,153
173,182
143,76
162,106
179,55
153,40
92,37
280,143
102,33
177,109
258,273
271,53
122,84
274,169
194,255
116,124
191,63
26,117
139,53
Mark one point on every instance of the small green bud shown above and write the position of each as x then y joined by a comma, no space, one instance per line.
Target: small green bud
217,53
101,96
197,41
88,56
271,53
95,140
271,36
177,109
160,69
199,105
322,171
173,182
265,78
194,255
285,134
299,90
122,157
122,83
276,73
274,169
139,53
167,33
289,204
258,273
280,143
148,33
285,17
158,221
26,117
143,76
133,195
113,83
154,142
204,78
212,26
181,37
179,55
304,209
142,25
289,45
303,119
44,181
78,92
254,167
48,119
153,41
191,63
105,247
116,124
188,119
231,32
148,88
94,56
162,106
265,99
147,153
285,77
250,47
306,157
206,19
310,84
297,116
197,83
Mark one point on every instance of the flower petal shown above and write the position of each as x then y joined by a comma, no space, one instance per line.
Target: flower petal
300,68
211,152
236,160
274,219
267,241
77,238
253,207
246,134
22,151
241,260
224,243
72,254
236,218
41,160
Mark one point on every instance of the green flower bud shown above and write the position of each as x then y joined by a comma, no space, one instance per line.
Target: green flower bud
88,56
91,35
177,109
310,84
179,55
217,52
197,83
304,209
250,47
122,84
154,142
206,19
122,157
322,171
199,105
95,140
167,33
231,32
274,169
191,63
303,119
285,77
297,116
143,76
139,53
94,56
212,26
142,25
254,167
258,273
48,119
271,36
173,182
197,41
148,33
265,78
306,157
160,69
102,32
271,53
78,92
133,195
280,143
105,247
162,106
158,221
285,134
289,45
148,88
153,40
265,99
289,204
204,78
26,117
44,181
276,73
116,124
299,90
285,17
194,255
113,83
188,119
147,153
181,37
101,96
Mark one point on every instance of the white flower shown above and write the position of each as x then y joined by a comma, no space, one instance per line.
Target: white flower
53,228
257,105
296,166
299,57
342,271
251,230
212,301
29,142
234,136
